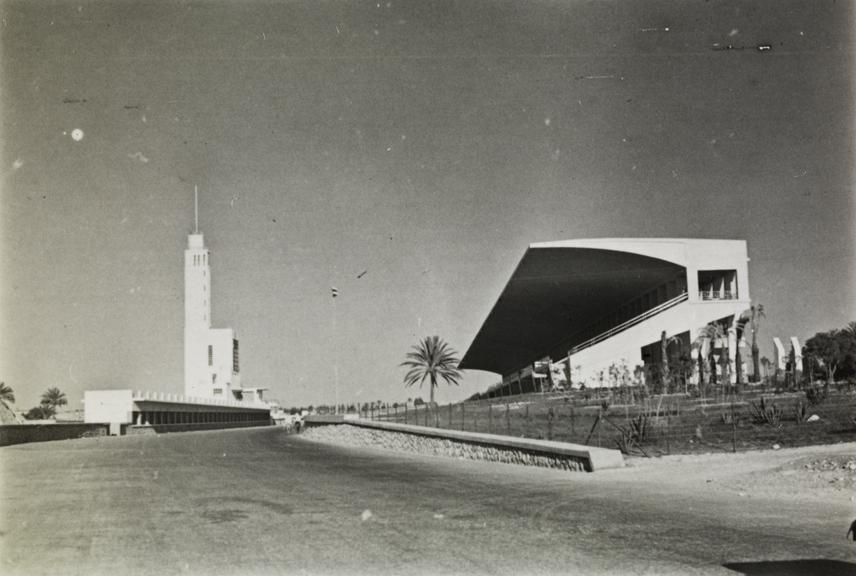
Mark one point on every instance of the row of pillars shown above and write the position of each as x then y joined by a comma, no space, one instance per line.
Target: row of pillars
168,417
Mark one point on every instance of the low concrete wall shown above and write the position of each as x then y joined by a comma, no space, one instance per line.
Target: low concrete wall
491,447
23,433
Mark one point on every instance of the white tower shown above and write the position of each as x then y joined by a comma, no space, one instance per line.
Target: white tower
210,355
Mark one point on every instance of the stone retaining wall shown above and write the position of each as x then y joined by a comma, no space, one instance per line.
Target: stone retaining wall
347,435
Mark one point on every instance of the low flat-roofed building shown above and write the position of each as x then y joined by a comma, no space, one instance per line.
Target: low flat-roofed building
589,304
163,411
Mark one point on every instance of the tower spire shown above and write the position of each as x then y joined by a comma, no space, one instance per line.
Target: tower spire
196,209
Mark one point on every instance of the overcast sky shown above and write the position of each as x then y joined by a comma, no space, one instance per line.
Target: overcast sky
426,143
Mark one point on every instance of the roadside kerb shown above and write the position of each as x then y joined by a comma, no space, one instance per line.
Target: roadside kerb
593,458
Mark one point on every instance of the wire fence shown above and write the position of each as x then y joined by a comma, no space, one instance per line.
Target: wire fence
669,424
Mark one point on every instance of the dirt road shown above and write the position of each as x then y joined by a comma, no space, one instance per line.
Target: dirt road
261,502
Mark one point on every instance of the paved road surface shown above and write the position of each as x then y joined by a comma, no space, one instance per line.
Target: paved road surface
258,501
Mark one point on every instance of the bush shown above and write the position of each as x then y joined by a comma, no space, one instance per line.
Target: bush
764,413
815,395
800,412
40,413
640,425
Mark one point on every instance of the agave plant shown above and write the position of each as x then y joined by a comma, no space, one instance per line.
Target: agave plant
431,359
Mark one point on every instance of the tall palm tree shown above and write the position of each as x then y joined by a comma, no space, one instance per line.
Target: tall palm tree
756,313
7,396
432,359
665,375
53,398
717,332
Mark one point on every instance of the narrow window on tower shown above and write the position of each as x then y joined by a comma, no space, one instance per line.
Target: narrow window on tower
235,358
210,355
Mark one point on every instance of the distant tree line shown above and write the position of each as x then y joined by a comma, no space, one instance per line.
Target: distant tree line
831,354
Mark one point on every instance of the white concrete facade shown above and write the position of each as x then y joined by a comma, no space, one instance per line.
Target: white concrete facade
211,364
711,285
704,303
160,408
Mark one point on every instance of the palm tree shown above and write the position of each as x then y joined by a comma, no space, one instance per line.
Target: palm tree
756,313
766,363
717,332
432,359
7,396
665,376
53,398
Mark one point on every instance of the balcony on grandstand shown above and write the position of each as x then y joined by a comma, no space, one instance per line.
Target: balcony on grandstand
717,285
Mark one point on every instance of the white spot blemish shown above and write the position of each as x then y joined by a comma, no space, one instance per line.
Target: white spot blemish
144,118
389,149
734,32
17,164
547,121
77,134
139,156
439,516
366,515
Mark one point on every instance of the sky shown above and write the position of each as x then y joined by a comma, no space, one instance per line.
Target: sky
406,153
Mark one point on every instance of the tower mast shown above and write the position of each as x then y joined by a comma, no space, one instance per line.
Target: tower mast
196,209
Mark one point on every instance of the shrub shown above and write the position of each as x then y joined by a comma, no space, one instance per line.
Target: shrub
764,413
801,412
640,426
815,395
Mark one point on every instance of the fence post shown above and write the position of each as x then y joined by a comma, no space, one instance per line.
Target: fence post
426,414
507,420
733,429
463,406
669,430
490,418
437,417
550,415
528,432
573,422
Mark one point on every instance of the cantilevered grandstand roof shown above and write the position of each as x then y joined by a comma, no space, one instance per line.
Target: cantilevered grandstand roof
560,288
